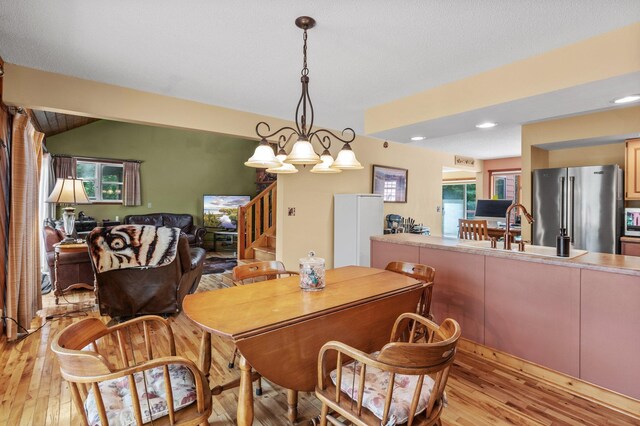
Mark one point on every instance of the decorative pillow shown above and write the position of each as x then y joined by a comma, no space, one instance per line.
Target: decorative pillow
116,396
375,390
132,246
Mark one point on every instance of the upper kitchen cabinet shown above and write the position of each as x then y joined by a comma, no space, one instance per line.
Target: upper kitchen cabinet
632,170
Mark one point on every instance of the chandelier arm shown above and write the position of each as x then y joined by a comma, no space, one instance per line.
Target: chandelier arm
286,139
300,124
347,139
310,107
322,140
266,136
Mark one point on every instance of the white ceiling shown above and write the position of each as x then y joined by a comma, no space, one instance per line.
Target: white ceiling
247,55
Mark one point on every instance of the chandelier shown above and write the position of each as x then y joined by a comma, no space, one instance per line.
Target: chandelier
302,151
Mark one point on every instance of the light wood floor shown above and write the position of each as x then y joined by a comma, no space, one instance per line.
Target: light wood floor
480,392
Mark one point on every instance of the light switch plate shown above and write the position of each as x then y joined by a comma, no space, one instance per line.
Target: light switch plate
291,211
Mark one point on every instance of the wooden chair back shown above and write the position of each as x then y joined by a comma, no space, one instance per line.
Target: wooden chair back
421,272
89,352
473,229
259,271
432,355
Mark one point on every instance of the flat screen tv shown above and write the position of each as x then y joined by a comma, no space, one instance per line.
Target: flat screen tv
221,211
492,208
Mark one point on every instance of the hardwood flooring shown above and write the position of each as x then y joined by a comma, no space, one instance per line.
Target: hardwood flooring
480,392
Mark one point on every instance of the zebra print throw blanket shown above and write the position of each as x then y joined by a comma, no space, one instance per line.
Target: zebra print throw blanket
132,246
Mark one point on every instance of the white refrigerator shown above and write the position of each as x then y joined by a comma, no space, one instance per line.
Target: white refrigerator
356,217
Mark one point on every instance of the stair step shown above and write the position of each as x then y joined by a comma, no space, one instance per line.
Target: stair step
271,241
264,253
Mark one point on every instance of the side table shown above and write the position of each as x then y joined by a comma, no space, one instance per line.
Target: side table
68,248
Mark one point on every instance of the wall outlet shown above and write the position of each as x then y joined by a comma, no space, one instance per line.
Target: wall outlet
292,211
148,205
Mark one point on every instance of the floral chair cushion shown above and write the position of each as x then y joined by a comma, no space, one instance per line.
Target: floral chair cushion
117,396
375,390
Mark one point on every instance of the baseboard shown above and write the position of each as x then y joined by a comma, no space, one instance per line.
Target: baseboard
611,399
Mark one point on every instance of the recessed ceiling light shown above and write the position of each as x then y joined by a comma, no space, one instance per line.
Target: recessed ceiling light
418,138
486,125
626,99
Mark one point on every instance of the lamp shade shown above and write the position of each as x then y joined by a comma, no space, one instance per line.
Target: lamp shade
68,191
263,157
285,168
302,153
325,166
346,159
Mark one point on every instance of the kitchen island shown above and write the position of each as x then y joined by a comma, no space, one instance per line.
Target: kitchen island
578,316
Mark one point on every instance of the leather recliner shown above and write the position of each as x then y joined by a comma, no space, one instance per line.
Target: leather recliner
73,268
194,234
155,290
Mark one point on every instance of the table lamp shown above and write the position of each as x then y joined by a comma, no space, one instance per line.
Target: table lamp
68,191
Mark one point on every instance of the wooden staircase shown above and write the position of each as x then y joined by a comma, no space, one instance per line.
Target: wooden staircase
257,227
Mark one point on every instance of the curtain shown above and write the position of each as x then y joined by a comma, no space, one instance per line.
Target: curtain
131,194
23,295
5,172
64,166
45,210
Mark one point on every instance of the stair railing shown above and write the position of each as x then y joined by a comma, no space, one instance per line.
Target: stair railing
256,220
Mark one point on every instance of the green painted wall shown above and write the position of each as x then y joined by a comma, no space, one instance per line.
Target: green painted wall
179,166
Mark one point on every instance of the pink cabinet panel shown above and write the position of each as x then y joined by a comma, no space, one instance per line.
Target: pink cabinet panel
533,312
610,331
383,253
458,290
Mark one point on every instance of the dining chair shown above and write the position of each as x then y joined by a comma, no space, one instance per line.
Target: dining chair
421,272
356,386
472,229
116,382
259,271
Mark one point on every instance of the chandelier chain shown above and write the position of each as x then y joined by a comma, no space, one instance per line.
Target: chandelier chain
305,70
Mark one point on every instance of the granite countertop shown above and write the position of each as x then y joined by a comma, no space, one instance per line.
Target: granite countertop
628,265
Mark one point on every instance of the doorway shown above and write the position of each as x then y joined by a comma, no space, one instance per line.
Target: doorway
458,202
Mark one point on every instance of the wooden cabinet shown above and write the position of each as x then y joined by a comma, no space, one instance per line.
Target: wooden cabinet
630,246
632,170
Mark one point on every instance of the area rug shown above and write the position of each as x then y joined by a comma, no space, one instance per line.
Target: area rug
218,265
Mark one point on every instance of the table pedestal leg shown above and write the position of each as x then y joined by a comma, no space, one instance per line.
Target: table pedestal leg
245,394
292,405
204,361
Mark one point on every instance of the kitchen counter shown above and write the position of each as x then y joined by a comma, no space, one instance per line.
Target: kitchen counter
564,314
628,265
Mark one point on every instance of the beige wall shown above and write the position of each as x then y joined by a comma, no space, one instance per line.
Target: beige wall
470,175
622,121
310,194
588,156
607,55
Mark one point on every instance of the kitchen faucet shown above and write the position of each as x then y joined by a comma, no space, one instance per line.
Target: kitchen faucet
507,237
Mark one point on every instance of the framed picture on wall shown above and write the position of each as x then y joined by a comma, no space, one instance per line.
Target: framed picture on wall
391,183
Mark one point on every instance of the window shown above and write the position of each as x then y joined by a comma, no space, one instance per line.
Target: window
102,181
389,190
505,185
458,202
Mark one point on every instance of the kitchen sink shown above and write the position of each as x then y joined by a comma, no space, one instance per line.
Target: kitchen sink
542,251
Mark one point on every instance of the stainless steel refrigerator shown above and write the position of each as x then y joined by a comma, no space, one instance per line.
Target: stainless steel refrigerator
587,201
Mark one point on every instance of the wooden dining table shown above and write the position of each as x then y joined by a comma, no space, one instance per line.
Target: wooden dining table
279,328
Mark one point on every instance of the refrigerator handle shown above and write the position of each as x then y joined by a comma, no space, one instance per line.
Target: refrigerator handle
563,201
572,181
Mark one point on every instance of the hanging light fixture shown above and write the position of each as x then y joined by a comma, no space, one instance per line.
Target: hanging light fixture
285,168
302,151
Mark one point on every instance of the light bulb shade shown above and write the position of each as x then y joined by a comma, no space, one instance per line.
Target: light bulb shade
68,191
263,157
325,165
302,153
284,169
346,160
